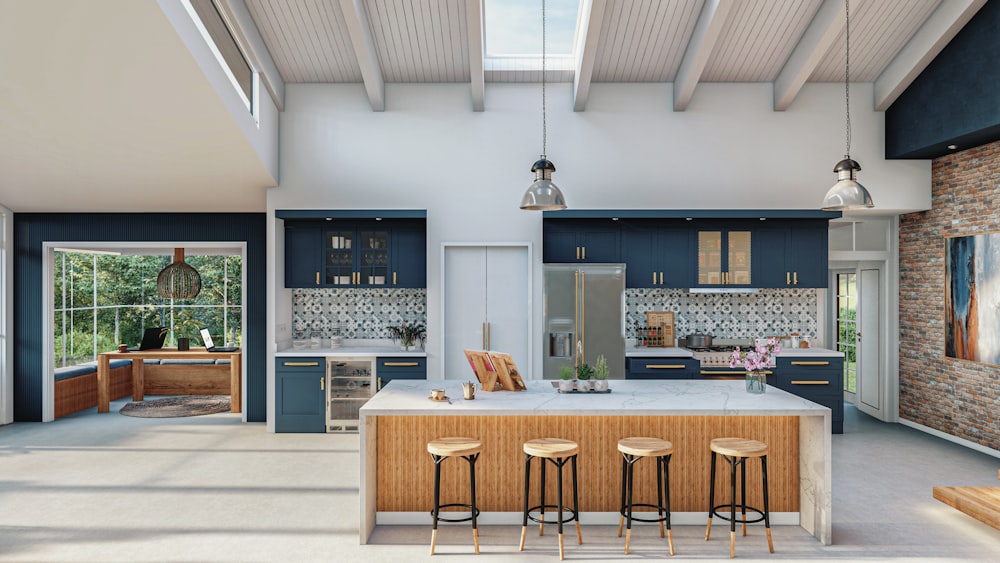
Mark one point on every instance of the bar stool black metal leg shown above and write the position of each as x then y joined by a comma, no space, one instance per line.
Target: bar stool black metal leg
437,498
559,500
576,504
631,486
666,500
621,512
767,513
541,513
472,481
527,490
711,498
659,493
743,493
732,506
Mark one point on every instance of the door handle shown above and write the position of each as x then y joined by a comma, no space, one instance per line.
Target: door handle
795,382
584,252
795,278
300,364
654,278
317,278
804,363
578,253
857,335
322,384
788,278
583,309
489,338
661,278
483,337
379,383
665,366
394,278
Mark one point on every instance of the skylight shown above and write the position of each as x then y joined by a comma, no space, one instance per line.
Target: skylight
514,27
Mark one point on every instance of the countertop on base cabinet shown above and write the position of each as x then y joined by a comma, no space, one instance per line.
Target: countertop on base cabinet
397,476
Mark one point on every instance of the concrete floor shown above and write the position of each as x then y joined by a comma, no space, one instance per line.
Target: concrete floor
107,487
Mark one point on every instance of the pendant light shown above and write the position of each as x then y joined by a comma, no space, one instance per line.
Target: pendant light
178,280
847,193
543,195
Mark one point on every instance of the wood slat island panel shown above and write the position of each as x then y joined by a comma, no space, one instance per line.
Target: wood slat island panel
405,470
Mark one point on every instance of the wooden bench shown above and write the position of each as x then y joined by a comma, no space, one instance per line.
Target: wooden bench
982,503
76,387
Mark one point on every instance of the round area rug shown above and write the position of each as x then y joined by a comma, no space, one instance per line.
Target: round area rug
193,405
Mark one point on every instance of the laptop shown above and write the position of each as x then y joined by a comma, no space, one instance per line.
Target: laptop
152,339
210,345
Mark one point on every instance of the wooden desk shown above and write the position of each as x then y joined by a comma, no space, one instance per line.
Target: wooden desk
104,371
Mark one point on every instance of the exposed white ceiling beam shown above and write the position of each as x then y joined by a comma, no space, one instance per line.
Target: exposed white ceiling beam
943,25
364,49
589,37
247,36
706,35
477,79
816,42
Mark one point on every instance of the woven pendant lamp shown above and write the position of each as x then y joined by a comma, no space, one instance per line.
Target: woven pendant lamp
178,280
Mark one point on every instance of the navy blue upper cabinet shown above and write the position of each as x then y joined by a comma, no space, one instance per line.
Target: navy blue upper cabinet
303,254
791,253
724,252
355,253
591,240
657,254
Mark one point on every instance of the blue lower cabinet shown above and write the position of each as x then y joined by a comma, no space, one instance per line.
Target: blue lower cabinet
818,379
389,368
300,395
661,368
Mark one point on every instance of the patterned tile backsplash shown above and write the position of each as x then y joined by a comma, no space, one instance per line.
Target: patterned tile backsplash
727,315
367,313
359,313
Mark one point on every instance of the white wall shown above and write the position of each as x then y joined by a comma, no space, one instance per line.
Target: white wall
428,150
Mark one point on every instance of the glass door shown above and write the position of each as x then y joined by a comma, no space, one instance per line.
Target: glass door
738,259
709,257
338,257
374,266
847,329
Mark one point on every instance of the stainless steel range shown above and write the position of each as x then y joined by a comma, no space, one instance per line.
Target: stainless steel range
715,360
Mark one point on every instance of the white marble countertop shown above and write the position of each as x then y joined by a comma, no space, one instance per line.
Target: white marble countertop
651,397
654,352
345,351
809,352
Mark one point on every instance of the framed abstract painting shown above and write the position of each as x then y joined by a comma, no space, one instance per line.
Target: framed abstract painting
972,298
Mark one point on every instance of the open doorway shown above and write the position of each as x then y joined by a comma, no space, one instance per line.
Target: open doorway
858,325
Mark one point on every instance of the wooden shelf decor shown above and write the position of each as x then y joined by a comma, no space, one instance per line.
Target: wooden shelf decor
482,366
659,328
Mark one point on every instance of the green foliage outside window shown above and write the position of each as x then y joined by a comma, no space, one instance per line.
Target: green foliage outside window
125,303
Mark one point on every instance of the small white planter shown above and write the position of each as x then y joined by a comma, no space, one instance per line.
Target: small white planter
566,385
583,385
600,385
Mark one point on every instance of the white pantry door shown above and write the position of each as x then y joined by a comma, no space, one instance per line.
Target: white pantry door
486,304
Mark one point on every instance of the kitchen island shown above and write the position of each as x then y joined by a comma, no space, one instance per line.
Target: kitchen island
397,473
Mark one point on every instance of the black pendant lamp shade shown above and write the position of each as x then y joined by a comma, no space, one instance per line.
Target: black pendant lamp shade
178,280
847,193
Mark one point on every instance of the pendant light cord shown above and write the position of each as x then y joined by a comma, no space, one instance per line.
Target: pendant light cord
847,75
544,128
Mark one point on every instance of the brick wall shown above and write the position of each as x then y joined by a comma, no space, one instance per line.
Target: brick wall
957,397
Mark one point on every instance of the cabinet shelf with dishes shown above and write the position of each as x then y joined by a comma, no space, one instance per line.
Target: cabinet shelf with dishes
353,253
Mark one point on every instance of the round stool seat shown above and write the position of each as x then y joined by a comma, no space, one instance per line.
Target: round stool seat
738,447
449,447
551,448
645,447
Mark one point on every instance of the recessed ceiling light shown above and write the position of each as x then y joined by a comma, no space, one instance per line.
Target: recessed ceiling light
952,147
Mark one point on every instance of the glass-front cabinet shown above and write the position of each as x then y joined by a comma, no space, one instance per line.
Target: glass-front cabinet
356,257
724,257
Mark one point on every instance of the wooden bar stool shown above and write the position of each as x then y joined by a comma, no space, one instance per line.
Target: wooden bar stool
440,450
557,452
634,449
736,451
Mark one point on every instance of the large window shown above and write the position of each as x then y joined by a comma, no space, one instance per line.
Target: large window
103,300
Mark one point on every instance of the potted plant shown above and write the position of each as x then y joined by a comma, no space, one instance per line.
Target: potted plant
583,374
408,335
185,328
566,379
601,374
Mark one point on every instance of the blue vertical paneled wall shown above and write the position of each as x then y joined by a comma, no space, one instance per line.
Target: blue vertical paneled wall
31,230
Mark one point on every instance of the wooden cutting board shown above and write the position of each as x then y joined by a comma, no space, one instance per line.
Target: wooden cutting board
664,321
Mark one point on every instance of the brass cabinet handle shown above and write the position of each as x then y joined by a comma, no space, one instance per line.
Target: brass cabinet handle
584,252
322,384
795,278
734,372
661,278
583,310
317,278
394,278
654,278
400,364
300,364
665,366
578,253
794,382
576,312
804,363
379,384
788,278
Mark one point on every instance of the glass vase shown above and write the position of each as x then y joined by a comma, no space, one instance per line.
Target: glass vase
756,382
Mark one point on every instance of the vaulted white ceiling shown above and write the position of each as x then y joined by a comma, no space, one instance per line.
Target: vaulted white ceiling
103,107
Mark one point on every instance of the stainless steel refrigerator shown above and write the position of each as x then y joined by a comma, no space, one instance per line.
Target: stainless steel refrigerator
584,309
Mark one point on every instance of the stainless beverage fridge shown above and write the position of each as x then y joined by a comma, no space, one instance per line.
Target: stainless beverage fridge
584,317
